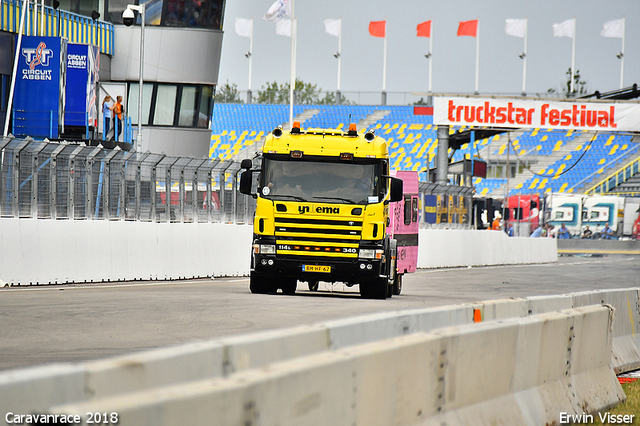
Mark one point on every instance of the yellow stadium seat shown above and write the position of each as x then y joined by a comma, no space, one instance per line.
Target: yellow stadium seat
485,191
563,187
519,186
415,126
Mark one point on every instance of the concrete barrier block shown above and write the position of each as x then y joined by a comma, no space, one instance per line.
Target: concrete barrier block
626,323
296,392
37,389
259,349
502,309
543,304
152,369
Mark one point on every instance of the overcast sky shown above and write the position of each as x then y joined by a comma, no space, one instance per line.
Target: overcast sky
453,57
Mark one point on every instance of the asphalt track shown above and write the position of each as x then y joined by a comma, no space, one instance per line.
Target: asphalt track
71,323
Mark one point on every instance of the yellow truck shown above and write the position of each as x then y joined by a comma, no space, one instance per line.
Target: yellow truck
322,210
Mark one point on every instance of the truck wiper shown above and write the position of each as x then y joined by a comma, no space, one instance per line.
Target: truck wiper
346,200
295,197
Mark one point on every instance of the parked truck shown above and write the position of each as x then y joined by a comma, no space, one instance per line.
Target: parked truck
323,212
577,211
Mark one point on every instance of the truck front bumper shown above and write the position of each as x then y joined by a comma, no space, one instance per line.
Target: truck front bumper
349,271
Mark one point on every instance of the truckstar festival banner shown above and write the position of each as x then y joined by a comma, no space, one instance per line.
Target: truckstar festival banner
520,113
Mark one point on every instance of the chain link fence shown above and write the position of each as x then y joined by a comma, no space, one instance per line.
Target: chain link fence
48,180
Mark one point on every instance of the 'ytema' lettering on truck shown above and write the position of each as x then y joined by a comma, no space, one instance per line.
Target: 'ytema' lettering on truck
576,116
319,209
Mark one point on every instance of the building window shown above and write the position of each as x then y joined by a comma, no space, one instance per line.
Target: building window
165,105
188,106
175,105
173,13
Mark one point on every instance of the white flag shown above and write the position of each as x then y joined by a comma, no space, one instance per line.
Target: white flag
332,26
283,27
277,11
613,29
244,27
516,27
565,29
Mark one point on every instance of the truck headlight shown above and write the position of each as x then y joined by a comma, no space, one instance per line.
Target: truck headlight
370,254
267,249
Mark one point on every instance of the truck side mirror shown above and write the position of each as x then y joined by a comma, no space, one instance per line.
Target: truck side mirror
396,189
246,164
246,179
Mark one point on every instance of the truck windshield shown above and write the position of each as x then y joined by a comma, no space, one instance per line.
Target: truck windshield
321,182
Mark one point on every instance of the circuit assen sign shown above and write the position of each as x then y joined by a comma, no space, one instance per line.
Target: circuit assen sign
517,113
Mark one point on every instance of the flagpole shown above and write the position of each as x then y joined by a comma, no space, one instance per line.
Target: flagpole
293,62
430,53
573,57
622,52
339,54
25,6
250,62
524,63
384,66
477,55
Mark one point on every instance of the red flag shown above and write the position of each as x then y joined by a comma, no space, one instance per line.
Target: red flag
468,28
424,29
376,28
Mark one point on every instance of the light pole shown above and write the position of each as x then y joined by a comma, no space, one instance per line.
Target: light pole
128,17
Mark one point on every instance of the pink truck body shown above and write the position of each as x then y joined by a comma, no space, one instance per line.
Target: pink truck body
404,222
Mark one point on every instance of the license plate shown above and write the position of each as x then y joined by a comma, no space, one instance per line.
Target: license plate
316,268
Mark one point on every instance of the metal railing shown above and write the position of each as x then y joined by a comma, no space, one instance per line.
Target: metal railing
72,181
62,180
57,23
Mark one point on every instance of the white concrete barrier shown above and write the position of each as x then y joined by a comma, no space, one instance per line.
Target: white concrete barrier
440,248
524,371
626,327
37,251
62,251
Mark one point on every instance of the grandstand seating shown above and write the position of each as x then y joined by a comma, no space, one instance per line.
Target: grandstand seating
413,143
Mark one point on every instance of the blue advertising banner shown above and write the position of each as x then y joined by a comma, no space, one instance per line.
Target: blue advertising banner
39,97
430,204
83,65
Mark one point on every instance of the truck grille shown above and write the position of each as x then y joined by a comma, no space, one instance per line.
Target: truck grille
296,236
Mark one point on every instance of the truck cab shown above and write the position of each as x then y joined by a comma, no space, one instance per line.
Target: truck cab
322,209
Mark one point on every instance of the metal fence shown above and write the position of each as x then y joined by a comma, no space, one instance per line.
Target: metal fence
72,181
50,180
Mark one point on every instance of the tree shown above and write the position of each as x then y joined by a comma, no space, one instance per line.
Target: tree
305,94
228,94
579,86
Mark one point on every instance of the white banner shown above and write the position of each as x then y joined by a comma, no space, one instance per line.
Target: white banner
519,113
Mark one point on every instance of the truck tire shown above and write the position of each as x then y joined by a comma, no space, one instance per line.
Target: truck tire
261,284
289,285
397,285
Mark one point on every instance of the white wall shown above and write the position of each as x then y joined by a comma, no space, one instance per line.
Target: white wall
451,248
36,251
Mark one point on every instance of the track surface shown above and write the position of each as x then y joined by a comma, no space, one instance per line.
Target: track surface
81,322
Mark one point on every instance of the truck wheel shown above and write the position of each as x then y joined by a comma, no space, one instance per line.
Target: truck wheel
289,285
313,285
397,284
374,289
260,284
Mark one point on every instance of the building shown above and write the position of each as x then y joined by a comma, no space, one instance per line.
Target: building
183,42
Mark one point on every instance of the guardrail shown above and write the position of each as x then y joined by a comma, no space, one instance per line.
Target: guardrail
621,175
545,357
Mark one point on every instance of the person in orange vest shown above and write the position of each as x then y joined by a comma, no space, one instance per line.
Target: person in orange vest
495,225
117,112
